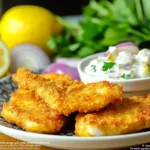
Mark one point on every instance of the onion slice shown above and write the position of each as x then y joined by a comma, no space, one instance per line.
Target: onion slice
62,68
106,54
28,56
128,46
72,62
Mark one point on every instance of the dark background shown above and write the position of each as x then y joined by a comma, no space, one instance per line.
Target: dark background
59,7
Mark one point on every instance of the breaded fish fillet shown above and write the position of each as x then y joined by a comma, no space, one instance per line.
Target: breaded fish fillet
56,76
31,113
129,116
71,96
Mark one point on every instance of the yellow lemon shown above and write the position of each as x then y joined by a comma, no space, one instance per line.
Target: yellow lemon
4,59
28,24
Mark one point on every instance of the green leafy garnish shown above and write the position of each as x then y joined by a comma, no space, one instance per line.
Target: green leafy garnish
93,68
107,66
126,76
105,23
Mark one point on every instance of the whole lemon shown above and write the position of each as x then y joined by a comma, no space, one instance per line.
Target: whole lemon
28,24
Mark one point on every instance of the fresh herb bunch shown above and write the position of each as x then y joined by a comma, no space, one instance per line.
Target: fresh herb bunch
104,24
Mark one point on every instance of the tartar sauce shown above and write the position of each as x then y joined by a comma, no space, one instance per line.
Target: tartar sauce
120,64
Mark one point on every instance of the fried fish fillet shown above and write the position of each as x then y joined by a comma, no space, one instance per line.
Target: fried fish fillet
28,111
56,76
129,116
71,96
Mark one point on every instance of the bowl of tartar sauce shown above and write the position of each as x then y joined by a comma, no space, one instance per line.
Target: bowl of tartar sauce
126,65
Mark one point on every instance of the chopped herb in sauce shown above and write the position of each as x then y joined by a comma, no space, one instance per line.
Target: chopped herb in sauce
126,76
107,66
93,67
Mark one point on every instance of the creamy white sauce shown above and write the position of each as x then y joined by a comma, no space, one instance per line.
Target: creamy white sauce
123,65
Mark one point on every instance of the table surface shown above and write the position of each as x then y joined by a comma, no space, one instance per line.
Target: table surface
6,143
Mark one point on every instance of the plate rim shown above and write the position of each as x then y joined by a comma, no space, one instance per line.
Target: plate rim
131,135
76,143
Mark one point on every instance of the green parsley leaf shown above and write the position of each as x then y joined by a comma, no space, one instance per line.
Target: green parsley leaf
107,66
93,68
90,30
126,76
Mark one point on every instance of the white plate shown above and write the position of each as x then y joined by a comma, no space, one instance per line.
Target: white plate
65,140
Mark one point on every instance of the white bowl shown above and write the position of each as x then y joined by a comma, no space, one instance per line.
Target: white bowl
138,86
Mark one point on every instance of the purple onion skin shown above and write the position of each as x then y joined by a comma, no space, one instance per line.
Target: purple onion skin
62,68
73,62
126,44
106,54
122,45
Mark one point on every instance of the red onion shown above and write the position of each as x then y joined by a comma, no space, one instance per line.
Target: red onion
28,56
128,46
106,53
62,68
73,62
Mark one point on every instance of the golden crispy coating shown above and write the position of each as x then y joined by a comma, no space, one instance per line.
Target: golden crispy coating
70,96
129,116
27,80
28,111
56,76
92,96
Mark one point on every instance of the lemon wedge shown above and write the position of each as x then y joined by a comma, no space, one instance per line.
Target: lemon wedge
4,59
